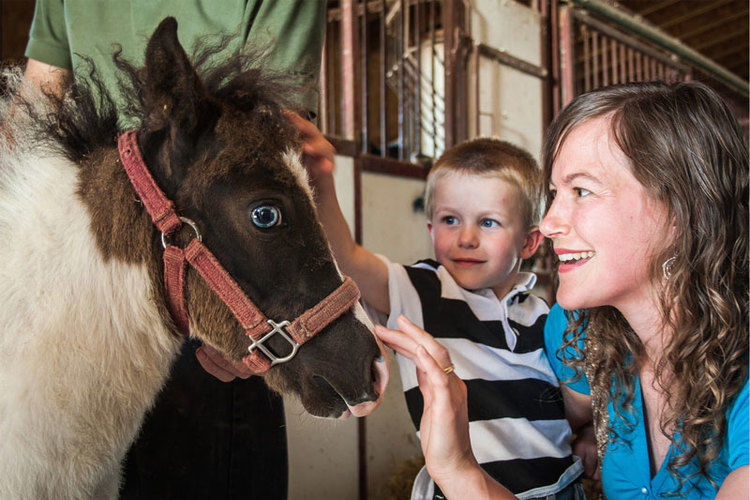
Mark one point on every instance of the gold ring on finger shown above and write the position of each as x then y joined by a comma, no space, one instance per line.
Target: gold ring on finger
449,369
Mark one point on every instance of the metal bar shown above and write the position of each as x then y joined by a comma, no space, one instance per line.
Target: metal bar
615,63
508,60
383,94
475,58
605,63
586,58
632,24
595,57
323,107
631,64
639,66
624,38
449,60
349,70
432,78
654,74
417,146
567,55
555,36
623,64
401,76
364,80
544,22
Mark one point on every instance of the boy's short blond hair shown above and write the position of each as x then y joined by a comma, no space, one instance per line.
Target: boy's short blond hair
492,157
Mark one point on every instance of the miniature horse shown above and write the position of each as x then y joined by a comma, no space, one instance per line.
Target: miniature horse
86,336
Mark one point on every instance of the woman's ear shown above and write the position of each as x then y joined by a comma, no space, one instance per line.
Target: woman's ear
532,241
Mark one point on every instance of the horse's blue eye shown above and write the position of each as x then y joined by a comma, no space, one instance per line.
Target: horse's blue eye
266,216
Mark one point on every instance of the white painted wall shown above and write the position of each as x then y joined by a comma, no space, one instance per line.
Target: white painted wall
510,103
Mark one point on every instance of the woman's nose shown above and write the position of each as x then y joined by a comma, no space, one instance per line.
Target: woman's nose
554,223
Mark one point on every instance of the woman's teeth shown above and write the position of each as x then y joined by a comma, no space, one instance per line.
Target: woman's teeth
566,257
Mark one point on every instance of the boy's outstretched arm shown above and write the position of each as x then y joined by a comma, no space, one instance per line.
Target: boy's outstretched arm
368,271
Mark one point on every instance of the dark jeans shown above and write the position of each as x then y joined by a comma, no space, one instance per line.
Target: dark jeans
208,439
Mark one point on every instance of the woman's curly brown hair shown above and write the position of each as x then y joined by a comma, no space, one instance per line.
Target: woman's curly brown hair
686,149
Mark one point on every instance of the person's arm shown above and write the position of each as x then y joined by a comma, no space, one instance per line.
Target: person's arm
444,428
735,485
49,78
365,268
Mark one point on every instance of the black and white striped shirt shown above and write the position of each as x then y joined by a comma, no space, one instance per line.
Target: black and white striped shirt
516,417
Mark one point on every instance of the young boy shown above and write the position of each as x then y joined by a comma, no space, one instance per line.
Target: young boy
482,204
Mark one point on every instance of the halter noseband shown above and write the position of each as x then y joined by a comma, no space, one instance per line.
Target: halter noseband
259,328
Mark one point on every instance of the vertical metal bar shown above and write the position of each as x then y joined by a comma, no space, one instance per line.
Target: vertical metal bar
623,65
449,60
639,67
383,94
349,70
432,78
615,62
555,36
335,90
365,101
654,74
475,59
546,46
417,147
567,55
631,65
586,58
605,62
323,107
595,56
400,66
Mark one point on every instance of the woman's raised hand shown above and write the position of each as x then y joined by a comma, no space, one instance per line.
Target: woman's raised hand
444,429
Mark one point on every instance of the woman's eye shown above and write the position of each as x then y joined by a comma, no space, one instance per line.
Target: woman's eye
266,216
581,192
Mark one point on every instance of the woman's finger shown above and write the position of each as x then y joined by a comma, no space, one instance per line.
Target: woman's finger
421,337
396,340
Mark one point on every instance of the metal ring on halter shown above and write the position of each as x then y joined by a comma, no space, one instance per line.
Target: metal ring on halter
190,223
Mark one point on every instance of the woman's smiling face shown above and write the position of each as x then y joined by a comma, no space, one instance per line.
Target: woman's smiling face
604,226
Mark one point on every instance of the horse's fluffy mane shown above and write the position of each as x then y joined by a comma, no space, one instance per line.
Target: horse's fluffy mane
85,118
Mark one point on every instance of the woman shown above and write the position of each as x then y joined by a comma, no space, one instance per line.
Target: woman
648,218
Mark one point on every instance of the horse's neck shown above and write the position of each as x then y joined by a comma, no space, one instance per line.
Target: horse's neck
71,284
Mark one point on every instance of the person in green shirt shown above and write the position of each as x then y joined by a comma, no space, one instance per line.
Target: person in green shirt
204,438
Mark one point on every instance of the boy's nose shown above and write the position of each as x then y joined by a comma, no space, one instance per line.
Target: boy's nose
467,238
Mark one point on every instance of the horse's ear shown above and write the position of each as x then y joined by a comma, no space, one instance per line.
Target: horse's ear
174,96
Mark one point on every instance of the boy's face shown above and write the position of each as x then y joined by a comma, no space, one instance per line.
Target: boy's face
478,232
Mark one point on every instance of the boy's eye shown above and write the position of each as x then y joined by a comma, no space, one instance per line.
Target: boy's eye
450,220
490,223
581,192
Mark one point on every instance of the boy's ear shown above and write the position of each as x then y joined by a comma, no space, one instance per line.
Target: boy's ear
532,241
429,230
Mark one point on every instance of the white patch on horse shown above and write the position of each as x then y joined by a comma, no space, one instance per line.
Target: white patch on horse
293,160
83,350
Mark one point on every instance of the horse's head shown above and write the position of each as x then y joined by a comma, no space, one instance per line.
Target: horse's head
221,148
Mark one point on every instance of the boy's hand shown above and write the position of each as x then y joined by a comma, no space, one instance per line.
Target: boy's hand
317,151
584,447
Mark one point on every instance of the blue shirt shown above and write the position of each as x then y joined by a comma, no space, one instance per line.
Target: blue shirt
625,468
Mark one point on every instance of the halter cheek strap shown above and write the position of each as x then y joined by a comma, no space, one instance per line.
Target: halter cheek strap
259,328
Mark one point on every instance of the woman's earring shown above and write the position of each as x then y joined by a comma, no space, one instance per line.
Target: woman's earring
666,267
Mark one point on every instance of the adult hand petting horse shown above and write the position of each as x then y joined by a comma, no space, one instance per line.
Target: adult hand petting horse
221,367
444,428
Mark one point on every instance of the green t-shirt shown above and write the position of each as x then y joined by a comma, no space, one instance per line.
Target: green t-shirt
291,31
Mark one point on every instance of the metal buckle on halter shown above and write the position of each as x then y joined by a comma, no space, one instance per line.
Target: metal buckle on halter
277,328
190,223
